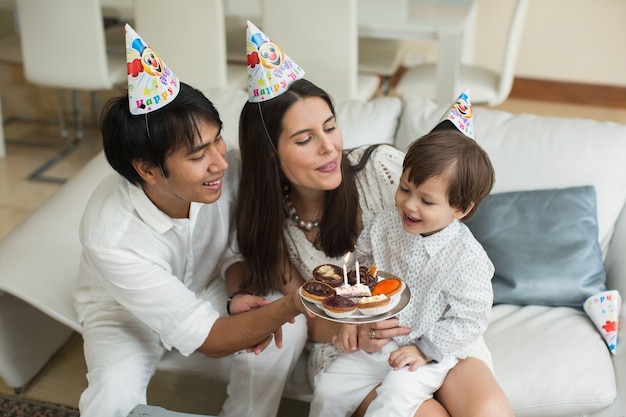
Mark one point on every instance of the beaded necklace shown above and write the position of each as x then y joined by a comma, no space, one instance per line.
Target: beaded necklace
302,224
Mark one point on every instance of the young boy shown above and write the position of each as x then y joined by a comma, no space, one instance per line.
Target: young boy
155,238
446,174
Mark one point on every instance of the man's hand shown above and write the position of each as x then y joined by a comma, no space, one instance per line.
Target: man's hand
246,302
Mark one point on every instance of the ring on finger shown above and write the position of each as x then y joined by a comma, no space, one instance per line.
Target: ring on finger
372,334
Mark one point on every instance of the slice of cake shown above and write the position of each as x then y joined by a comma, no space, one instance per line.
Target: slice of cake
351,291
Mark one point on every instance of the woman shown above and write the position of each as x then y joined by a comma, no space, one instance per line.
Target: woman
303,202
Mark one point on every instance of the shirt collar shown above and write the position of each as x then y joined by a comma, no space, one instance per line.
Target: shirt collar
149,213
435,242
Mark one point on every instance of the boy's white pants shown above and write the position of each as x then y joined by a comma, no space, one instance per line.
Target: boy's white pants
346,382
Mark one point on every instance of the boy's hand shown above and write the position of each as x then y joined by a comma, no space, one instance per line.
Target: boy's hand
409,356
345,340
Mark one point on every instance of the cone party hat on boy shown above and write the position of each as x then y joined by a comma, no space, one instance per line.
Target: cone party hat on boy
604,310
270,70
151,84
459,115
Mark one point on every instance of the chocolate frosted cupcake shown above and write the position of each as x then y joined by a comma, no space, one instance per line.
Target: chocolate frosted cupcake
338,307
365,277
330,274
315,291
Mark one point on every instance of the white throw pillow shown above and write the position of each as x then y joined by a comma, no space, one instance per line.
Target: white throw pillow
533,152
368,122
228,104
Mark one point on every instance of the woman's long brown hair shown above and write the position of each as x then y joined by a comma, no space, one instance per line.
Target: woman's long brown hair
261,212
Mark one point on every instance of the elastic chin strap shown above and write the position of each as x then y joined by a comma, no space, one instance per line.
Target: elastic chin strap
150,140
266,132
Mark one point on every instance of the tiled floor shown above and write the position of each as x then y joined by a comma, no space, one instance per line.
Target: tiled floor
64,379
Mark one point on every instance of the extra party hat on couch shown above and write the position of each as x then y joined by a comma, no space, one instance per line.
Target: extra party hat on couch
151,84
604,311
270,70
459,115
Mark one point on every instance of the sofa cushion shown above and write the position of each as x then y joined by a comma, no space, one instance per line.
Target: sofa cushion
368,122
228,104
543,244
532,152
550,361
361,122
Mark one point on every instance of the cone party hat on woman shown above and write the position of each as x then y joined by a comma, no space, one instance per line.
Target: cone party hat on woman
270,70
459,115
151,84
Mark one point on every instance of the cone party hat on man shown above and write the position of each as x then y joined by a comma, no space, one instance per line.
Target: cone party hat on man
151,84
270,70
459,115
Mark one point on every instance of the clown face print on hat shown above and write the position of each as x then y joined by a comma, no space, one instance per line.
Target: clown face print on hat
270,70
459,114
151,84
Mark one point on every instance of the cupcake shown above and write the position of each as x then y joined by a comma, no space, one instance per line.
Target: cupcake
391,287
338,307
315,291
353,291
365,276
374,305
330,274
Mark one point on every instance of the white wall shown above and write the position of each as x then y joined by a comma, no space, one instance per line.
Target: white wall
582,41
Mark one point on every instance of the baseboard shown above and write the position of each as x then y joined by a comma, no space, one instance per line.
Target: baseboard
568,92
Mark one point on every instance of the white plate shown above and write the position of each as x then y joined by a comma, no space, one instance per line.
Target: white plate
357,317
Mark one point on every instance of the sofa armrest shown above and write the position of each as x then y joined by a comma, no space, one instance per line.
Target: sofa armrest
615,265
619,405
615,262
39,258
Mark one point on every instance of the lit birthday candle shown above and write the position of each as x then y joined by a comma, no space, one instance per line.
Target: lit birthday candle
345,269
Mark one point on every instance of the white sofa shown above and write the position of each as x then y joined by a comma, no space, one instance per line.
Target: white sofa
550,360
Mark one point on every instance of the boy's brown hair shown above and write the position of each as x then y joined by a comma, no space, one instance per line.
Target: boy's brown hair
461,160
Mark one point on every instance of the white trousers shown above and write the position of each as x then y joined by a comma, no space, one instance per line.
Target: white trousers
122,354
346,382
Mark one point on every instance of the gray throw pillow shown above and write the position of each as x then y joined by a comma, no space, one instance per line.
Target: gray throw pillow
544,245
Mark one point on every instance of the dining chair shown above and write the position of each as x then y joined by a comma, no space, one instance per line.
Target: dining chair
378,56
237,13
193,43
10,53
63,47
381,57
487,86
326,47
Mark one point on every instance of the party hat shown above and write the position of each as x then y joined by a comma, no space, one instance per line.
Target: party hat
151,84
270,70
604,310
460,115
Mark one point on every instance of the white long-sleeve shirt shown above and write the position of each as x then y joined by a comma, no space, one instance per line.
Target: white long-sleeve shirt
449,275
137,258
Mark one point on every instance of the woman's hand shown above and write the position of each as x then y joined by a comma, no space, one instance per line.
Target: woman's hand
373,336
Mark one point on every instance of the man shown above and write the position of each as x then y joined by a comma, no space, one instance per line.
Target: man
155,238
